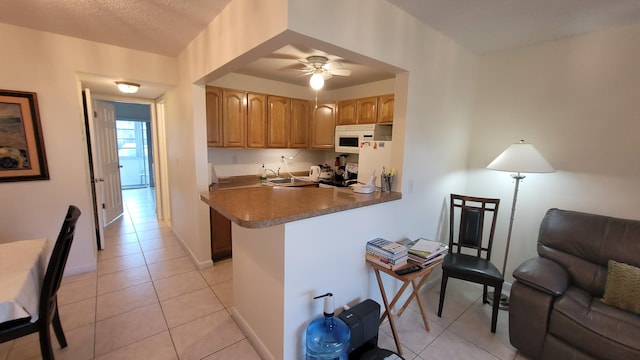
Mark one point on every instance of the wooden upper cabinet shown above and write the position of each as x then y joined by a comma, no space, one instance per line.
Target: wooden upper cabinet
385,109
278,118
234,118
347,112
214,116
323,125
367,110
256,120
299,125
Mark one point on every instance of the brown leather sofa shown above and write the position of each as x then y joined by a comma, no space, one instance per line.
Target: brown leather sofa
556,310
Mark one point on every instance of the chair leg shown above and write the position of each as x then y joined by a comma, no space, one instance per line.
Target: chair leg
443,289
496,307
484,294
57,328
45,341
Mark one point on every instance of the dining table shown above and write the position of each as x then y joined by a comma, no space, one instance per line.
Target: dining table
22,268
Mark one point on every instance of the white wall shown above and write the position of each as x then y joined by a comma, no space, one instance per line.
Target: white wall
47,64
576,100
434,99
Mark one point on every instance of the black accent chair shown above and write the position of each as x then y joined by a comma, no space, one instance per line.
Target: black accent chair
48,304
468,258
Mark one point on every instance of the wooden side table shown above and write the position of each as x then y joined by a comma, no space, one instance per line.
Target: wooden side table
416,279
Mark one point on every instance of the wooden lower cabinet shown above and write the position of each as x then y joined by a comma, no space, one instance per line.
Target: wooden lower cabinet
220,236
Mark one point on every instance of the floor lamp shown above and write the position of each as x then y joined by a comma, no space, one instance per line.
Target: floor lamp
518,158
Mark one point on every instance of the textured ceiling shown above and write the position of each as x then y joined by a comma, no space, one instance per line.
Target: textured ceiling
167,26
159,26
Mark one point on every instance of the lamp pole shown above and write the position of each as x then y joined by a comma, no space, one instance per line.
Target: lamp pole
517,177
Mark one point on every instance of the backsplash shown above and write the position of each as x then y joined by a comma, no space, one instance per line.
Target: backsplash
238,162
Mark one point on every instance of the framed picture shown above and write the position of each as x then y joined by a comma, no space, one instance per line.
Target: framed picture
22,155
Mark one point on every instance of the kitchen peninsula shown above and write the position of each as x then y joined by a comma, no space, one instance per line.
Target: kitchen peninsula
291,244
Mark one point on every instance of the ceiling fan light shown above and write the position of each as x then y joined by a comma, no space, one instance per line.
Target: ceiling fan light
127,87
316,81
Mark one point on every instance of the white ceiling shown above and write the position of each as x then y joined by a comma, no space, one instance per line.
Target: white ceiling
486,26
167,26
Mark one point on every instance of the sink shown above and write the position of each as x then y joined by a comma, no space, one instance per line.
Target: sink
289,181
281,180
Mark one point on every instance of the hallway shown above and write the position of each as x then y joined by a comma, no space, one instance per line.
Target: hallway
146,301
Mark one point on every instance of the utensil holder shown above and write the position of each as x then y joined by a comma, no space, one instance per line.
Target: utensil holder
385,183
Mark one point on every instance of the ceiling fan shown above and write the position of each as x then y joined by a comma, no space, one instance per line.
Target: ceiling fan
321,68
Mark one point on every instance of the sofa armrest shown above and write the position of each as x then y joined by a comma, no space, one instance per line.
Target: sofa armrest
544,275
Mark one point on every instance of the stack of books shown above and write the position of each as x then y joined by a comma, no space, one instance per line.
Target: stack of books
424,252
387,253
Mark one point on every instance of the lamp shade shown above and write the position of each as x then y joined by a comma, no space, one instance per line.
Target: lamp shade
521,158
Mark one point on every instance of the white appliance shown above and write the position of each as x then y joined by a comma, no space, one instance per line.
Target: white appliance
349,138
373,156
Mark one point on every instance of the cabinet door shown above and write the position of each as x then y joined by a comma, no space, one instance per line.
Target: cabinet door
347,112
323,126
220,236
367,110
385,109
234,118
214,116
278,116
299,129
256,120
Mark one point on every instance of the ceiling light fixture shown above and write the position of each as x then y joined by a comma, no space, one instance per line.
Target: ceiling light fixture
127,87
316,81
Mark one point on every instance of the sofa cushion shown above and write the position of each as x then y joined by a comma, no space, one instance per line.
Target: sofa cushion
586,323
623,287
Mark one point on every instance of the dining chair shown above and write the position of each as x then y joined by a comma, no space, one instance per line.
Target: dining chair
472,222
48,304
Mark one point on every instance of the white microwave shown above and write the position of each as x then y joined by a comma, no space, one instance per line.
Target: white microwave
350,137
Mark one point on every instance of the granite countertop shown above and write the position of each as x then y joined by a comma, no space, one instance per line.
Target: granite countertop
263,206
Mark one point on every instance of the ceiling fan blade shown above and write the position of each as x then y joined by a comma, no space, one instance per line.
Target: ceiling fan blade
326,75
340,72
297,67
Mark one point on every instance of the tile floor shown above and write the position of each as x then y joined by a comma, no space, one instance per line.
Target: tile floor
148,301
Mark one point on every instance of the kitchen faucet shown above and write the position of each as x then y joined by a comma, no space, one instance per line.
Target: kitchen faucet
277,174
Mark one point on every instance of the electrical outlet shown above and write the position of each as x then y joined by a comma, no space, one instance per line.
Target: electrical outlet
234,159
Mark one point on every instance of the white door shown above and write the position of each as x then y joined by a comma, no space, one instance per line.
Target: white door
96,180
108,164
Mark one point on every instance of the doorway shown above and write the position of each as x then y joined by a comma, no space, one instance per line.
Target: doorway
135,153
133,133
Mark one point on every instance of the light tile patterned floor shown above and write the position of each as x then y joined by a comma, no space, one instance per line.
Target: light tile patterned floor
148,301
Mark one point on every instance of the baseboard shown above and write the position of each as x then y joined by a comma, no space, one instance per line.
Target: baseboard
199,264
68,271
246,329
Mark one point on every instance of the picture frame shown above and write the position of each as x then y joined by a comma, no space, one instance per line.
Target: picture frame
22,153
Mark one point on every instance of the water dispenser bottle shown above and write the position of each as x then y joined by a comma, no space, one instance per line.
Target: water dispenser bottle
328,336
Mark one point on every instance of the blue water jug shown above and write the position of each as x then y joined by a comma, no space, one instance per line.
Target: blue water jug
328,336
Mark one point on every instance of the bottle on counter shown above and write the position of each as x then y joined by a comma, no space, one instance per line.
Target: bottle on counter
327,337
263,174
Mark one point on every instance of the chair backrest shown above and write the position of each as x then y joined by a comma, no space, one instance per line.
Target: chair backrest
57,262
469,218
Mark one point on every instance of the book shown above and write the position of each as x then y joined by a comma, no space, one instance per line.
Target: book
424,262
387,246
387,259
422,250
385,254
391,266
